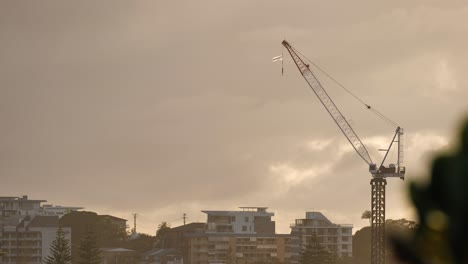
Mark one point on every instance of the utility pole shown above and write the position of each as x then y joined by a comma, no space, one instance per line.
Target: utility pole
185,217
134,223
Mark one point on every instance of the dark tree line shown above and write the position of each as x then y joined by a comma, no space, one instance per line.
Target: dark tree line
60,251
90,231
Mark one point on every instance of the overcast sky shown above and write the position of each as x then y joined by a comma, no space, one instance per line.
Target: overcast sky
168,107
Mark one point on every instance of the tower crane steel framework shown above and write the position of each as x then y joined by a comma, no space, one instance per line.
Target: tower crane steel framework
379,174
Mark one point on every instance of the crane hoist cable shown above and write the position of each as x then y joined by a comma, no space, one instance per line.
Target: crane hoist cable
372,109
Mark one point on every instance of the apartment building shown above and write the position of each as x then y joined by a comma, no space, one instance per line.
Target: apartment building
337,238
12,205
245,236
59,210
248,220
27,229
27,239
238,248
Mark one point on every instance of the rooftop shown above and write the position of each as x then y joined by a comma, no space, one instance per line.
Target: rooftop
160,252
44,221
189,227
113,217
116,250
23,198
50,206
250,210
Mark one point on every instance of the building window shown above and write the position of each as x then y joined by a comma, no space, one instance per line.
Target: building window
246,219
345,238
244,228
344,246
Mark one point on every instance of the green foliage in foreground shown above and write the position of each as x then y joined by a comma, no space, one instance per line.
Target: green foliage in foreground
442,207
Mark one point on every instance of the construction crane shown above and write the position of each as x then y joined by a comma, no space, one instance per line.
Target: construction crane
379,174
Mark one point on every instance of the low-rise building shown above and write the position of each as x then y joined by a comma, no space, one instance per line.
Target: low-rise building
246,236
118,255
119,222
162,256
178,238
337,238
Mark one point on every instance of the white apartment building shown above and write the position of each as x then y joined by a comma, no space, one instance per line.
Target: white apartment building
249,220
27,239
58,210
246,236
337,238
27,229
10,205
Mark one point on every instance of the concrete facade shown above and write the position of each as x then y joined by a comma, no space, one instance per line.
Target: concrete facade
26,231
246,236
118,255
11,206
28,239
238,248
249,220
337,238
58,210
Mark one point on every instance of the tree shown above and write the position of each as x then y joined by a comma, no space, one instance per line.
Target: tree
140,244
367,215
314,253
89,250
362,239
80,222
60,252
161,233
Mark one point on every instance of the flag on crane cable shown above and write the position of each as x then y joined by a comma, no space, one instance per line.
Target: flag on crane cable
277,58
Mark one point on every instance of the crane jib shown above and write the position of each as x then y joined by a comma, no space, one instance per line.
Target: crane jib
329,105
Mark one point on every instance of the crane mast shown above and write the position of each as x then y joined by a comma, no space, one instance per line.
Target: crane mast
379,174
